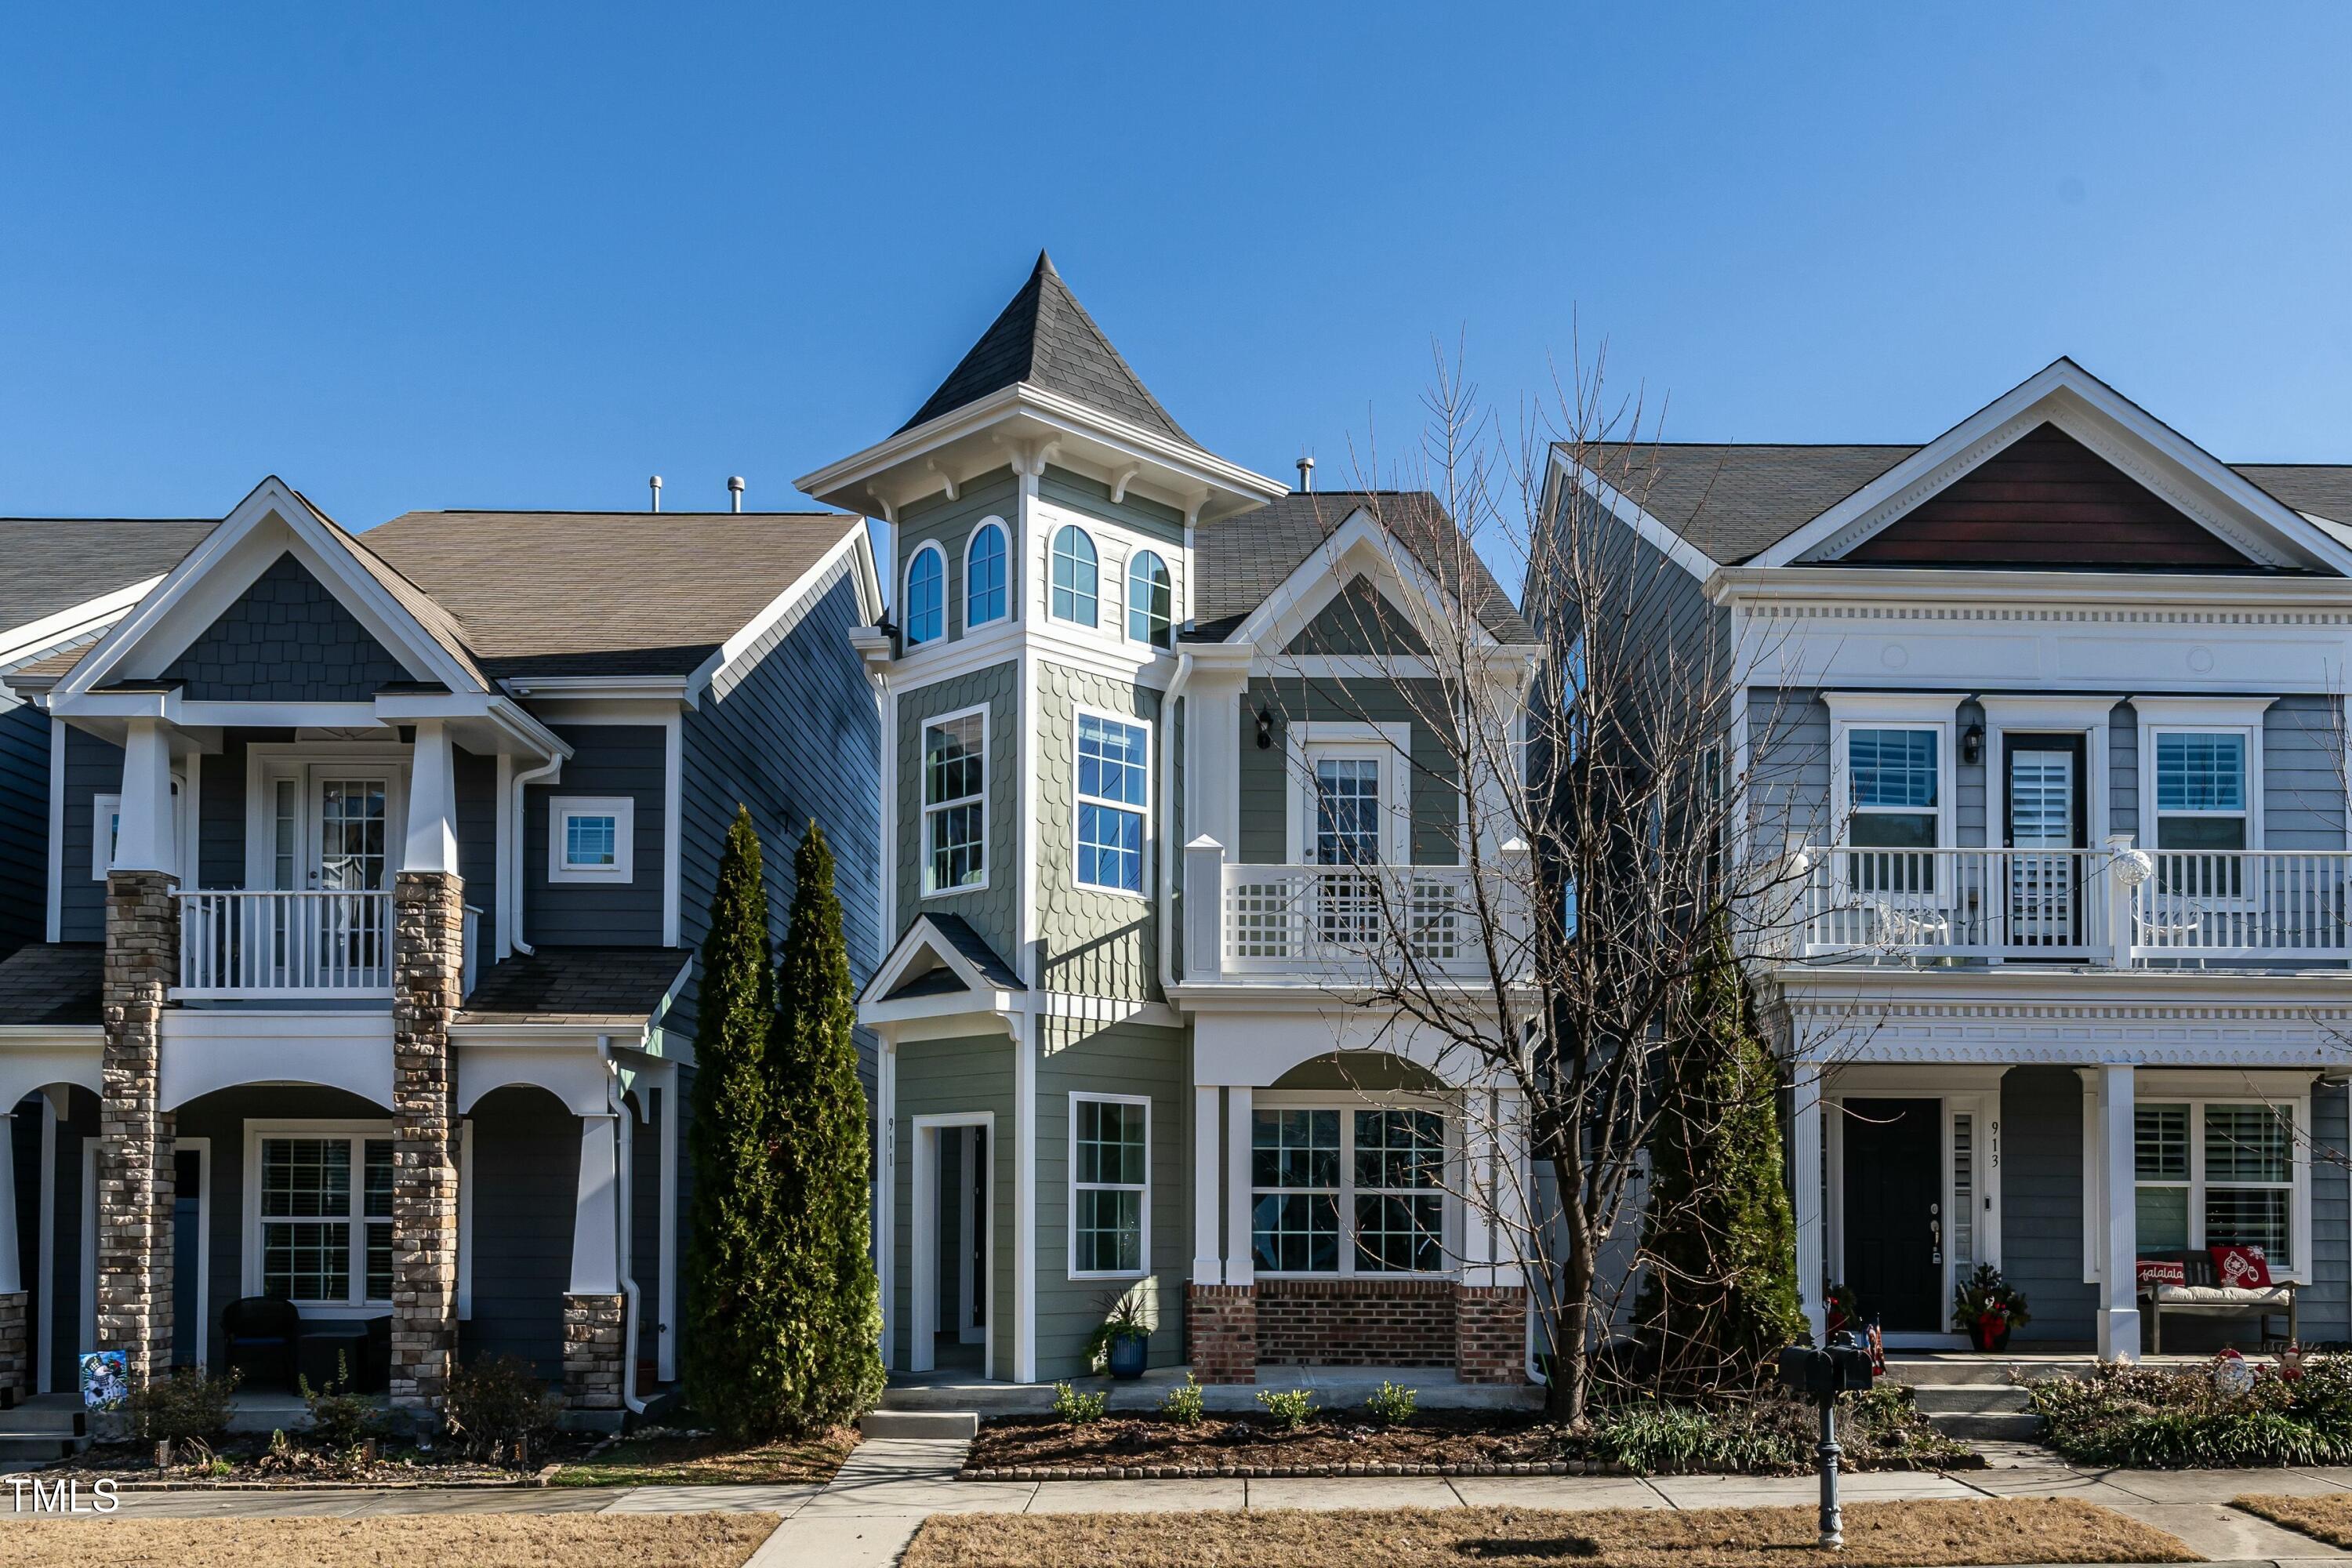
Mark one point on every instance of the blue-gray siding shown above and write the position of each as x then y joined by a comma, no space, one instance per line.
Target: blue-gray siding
286,640
2041,1200
629,760
92,767
527,1152
24,824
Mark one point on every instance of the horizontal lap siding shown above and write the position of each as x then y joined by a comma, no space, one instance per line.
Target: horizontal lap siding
949,524
2123,770
527,1153
939,1078
24,824
1265,781
1067,491
629,760
92,767
78,1127
2326,1302
2041,1200
1789,765
2303,780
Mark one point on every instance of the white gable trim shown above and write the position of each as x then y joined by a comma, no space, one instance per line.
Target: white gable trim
1622,507
2152,453
194,594
858,545
1359,546
924,937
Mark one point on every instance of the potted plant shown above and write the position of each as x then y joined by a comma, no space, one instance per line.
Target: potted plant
1124,1335
1986,1306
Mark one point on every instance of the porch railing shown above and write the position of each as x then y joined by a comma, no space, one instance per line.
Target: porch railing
1318,921
295,946
2115,905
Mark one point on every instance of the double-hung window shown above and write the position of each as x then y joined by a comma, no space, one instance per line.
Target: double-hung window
325,1217
1347,1191
1110,1187
927,596
1893,800
955,803
2213,1173
1114,791
2200,811
1076,577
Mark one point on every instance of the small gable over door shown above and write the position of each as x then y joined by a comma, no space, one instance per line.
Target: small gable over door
2046,499
286,640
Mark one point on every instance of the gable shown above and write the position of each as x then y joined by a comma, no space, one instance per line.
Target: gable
2046,499
1358,620
285,639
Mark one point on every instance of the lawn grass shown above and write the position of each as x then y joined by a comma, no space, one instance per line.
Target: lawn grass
671,1459
1878,1536
448,1540
2327,1519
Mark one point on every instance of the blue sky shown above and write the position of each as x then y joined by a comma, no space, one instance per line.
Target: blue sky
525,255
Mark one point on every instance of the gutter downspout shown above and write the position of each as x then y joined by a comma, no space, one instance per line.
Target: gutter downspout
552,766
1170,865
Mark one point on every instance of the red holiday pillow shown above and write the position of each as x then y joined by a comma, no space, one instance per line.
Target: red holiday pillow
2160,1271
2241,1268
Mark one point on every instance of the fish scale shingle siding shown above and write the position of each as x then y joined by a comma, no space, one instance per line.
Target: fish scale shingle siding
990,909
286,640
1097,944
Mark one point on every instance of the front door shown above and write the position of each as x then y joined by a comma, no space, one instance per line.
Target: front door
2044,813
1893,1225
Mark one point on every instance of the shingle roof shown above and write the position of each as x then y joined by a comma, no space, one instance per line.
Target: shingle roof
1735,501
55,982
1045,338
959,934
585,985
1238,562
52,563
567,592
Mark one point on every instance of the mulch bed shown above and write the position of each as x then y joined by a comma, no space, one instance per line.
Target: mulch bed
1436,1443
131,1467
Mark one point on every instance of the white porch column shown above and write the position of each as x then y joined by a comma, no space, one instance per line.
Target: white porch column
11,1278
1514,1189
1239,1270
1026,1045
1481,1188
1805,1185
148,840
596,1211
885,1193
2119,1259
1207,1266
432,841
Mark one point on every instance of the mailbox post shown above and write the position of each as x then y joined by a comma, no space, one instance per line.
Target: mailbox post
1820,1376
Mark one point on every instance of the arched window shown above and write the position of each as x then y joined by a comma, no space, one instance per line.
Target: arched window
927,596
983,577
1150,600
1075,576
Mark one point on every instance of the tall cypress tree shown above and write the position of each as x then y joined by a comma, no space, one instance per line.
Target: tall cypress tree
831,1312
1719,1296
737,1374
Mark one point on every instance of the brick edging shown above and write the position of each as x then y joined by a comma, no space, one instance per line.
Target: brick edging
1330,1472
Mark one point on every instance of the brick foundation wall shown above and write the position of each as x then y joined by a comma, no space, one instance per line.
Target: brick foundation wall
16,1343
1490,1333
592,1351
135,1186
1220,1333
428,950
1356,1322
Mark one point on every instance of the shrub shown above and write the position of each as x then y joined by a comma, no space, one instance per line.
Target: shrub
2153,1419
1076,1406
341,1420
1764,1433
1392,1404
191,1407
497,1407
1293,1408
1182,1404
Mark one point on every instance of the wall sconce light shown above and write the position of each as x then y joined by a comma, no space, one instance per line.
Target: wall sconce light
1266,729
1972,744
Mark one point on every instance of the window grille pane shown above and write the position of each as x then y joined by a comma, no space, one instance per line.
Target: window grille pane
1295,1233
1397,1234
1894,768
958,854
2248,1143
1347,811
2163,1219
1110,1231
1114,760
306,1178
590,840
1110,848
377,1190
1111,1143
1964,1191
1295,1148
1150,600
954,757
2200,772
2160,1142
1400,1149
927,604
307,1260
379,1261
1075,576
984,577
2249,1217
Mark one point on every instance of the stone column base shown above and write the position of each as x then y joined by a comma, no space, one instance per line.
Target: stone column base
593,1329
1490,1333
15,1345
1220,1333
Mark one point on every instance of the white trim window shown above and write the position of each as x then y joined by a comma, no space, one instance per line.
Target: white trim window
1891,789
2203,814
319,1213
1114,789
591,838
2219,1174
1345,1190
1110,1185
1150,600
926,596
1076,577
955,803
105,832
987,597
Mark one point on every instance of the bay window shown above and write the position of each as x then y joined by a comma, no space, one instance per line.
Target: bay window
1345,1191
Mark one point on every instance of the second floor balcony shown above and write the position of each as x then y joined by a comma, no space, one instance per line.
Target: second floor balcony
306,945
1346,925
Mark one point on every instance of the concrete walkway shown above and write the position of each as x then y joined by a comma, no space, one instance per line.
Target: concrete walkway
869,1511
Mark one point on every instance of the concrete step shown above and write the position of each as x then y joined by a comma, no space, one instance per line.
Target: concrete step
920,1423
2001,1427
41,1446
1969,1399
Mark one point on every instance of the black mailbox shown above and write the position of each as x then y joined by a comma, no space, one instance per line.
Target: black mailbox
1819,1376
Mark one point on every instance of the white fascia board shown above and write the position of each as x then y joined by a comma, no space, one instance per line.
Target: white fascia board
922,936
990,1005
20,643
1625,509
619,687
1911,585
854,542
2063,376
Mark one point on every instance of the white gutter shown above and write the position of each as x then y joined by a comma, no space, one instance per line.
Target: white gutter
515,857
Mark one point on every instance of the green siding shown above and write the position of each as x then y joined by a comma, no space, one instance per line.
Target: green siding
993,910
1076,493
1118,1059
1096,943
948,524
944,1077
1358,620
1266,786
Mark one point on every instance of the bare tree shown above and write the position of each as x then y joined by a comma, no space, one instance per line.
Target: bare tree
1595,814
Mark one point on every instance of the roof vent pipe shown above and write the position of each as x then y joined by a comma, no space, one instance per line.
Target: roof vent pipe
655,484
735,491
1306,475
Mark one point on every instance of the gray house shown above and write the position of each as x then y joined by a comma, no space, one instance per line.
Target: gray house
376,866
2044,721
1137,736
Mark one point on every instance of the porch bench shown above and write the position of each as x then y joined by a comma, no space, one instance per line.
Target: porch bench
2203,1292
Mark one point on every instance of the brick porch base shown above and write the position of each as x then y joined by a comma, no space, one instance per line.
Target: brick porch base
1479,1331
1220,1333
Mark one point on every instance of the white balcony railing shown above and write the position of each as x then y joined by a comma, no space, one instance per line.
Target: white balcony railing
1322,923
293,946
2114,906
